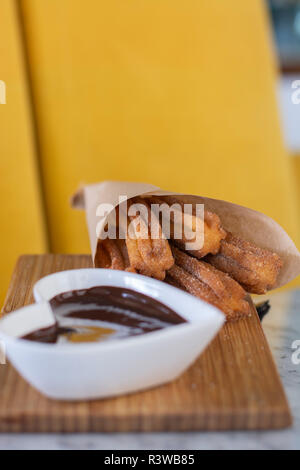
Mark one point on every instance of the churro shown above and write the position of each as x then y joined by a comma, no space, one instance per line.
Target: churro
149,256
213,232
206,282
231,266
112,254
256,269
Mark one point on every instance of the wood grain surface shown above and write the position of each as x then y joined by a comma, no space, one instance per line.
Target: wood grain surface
234,384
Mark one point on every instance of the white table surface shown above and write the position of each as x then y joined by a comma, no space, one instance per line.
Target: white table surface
282,327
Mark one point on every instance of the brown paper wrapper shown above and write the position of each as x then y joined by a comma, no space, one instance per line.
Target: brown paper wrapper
246,223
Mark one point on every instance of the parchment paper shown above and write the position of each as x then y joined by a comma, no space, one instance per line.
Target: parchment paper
246,223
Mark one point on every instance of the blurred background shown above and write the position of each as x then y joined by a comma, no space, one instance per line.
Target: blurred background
191,96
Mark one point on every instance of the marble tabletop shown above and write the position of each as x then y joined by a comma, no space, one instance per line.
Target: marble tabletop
282,328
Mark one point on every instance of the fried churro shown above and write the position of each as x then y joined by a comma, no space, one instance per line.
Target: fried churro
230,266
213,232
112,254
256,269
136,260
149,256
209,284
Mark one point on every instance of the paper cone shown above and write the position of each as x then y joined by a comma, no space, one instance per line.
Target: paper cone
242,221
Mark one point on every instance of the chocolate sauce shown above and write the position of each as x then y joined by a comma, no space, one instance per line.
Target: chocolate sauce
102,313
48,335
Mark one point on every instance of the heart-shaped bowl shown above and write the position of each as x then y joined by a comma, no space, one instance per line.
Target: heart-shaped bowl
109,368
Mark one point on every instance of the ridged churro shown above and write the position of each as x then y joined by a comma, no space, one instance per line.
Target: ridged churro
229,266
149,256
213,232
112,254
206,282
256,269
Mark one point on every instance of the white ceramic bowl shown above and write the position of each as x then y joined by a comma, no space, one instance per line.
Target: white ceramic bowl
97,370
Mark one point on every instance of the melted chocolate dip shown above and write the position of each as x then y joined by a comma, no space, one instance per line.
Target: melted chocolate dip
104,312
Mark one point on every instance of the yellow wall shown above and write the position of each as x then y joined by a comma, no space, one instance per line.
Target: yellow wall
22,224
179,94
296,175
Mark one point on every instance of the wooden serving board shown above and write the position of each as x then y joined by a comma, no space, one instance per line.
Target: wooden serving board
234,384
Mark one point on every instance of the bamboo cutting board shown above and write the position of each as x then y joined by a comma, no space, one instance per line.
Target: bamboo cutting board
234,384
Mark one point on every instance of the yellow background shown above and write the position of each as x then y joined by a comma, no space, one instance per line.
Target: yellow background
21,214
178,94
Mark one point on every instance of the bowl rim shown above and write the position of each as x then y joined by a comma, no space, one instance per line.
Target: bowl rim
110,273
116,343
